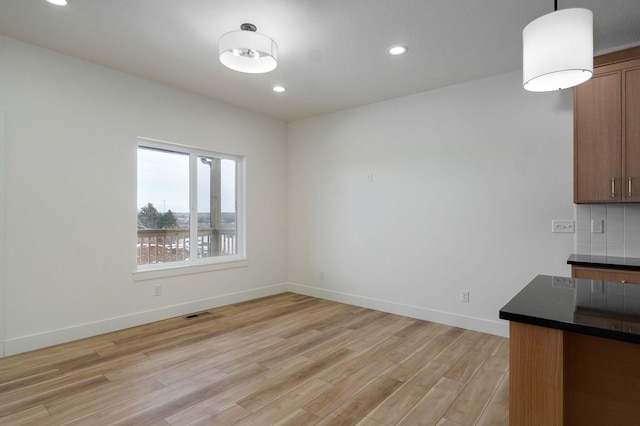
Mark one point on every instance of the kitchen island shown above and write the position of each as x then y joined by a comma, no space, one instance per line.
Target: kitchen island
574,352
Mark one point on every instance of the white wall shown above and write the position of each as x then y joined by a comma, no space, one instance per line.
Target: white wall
70,205
466,181
2,236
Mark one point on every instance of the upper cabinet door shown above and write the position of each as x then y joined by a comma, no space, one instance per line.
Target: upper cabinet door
631,135
598,139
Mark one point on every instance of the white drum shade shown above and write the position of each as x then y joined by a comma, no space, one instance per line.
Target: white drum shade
558,50
248,51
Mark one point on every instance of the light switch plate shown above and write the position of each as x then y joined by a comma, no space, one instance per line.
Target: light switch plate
563,226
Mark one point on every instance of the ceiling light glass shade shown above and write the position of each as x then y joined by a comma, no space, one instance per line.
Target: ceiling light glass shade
248,51
558,50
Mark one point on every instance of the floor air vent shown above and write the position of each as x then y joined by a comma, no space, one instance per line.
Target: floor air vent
196,315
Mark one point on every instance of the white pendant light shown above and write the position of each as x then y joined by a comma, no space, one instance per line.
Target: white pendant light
248,51
558,50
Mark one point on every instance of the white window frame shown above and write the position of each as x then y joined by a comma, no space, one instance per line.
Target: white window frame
195,264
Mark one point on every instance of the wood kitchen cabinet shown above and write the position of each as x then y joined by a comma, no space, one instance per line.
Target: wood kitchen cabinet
607,131
602,274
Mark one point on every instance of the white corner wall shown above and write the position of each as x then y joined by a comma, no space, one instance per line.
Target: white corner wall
3,268
465,183
70,197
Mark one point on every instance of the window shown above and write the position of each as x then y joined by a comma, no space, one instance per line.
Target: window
188,206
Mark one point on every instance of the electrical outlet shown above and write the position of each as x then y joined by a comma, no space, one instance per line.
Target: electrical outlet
563,226
597,226
464,296
321,275
598,286
157,290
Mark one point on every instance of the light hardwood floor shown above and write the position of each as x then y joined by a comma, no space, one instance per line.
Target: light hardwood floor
286,359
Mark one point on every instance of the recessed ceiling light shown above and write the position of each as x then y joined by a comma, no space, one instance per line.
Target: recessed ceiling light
58,2
397,50
279,89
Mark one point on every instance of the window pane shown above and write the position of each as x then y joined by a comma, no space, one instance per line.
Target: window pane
163,206
216,207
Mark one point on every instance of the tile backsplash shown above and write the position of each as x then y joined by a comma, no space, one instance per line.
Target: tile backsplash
621,231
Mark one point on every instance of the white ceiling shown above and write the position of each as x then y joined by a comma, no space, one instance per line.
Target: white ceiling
332,53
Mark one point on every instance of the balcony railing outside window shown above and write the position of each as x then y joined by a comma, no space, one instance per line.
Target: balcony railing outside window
173,245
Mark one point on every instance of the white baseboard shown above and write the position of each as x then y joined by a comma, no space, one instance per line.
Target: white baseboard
53,337
498,327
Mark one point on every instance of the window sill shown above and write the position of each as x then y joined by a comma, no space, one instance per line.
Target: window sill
163,271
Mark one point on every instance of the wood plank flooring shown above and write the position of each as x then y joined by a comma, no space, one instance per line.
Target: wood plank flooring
287,359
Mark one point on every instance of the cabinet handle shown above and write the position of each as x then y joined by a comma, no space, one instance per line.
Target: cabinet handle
629,186
613,187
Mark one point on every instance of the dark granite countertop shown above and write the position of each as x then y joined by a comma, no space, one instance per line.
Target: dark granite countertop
608,262
597,308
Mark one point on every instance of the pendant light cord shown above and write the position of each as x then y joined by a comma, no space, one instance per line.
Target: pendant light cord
555,6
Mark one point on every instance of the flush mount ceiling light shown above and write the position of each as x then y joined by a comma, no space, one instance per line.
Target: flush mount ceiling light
557,50
248,51
58,2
